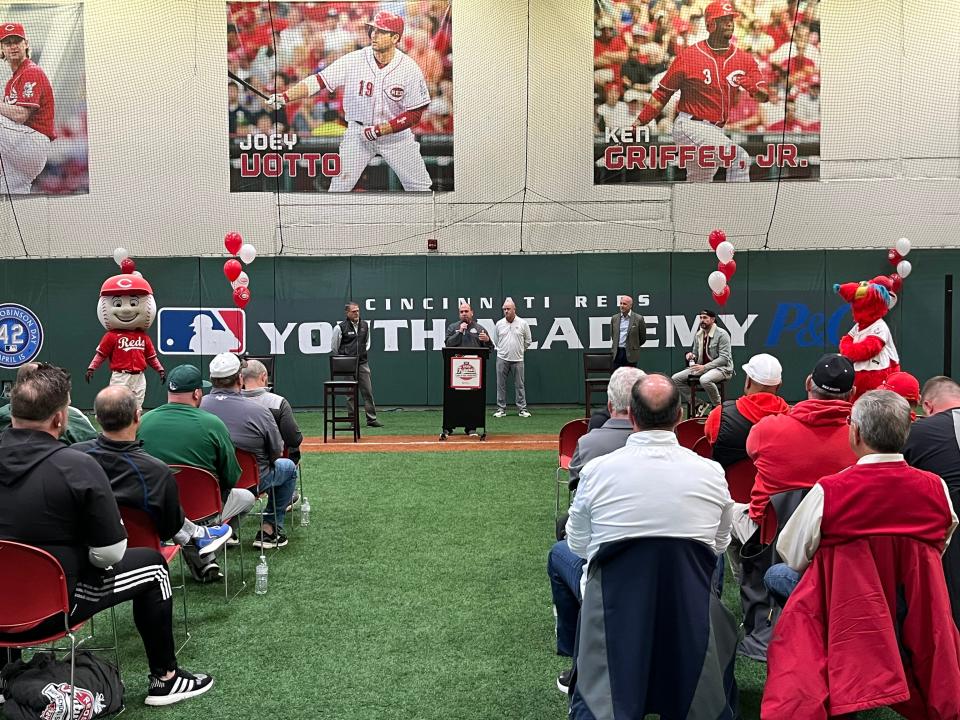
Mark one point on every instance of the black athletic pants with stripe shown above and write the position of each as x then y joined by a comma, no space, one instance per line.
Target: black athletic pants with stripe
140,576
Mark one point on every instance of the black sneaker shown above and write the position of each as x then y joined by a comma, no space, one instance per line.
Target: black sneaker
374,423
181,686
211,573
270,540
563,681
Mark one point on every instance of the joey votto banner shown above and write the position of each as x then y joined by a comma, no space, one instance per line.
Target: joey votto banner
698,91
340,96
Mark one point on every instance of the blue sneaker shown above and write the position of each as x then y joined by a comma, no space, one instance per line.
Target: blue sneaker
213,538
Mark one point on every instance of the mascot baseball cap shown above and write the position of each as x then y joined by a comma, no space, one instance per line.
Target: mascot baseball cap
186,378
12,30
833,373
903,384
224,365
125,285
764,369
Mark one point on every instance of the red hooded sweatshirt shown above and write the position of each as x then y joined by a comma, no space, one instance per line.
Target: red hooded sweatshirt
794,450
752,407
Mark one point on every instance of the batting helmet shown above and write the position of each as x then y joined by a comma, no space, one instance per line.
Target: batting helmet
717,10
387,21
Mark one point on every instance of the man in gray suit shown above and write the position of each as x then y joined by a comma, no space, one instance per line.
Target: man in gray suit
615,431
627,333
710,359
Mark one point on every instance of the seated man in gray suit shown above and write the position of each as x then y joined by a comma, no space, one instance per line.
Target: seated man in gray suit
710,360
614,432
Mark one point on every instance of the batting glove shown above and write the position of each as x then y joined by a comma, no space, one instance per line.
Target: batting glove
278,100
372,132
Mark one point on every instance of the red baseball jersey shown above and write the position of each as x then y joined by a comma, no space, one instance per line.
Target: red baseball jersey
708,80
30,88
127,350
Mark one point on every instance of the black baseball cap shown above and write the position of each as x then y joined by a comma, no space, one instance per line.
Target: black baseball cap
833,373
711,313
186,378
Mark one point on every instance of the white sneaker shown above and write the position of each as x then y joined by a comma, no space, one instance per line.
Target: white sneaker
523,413
500,413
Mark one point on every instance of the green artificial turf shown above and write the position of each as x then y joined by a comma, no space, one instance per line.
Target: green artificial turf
419,591
545,420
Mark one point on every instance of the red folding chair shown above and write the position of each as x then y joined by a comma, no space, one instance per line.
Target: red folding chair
35,589
703,448
200,499
567,444
689,431
740,479
142,533
249,472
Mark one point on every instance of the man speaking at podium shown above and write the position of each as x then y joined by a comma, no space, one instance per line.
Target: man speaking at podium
466,333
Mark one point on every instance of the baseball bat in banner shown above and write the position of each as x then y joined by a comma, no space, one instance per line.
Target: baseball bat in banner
247,85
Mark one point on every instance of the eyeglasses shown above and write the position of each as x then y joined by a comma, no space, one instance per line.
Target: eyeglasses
850,420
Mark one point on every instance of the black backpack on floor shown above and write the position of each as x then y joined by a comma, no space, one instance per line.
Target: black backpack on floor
40,689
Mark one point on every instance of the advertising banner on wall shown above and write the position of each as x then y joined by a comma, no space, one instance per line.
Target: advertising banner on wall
340,96
697,91
43,118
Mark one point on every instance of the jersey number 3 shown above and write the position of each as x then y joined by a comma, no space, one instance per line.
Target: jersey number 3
366,88
707,77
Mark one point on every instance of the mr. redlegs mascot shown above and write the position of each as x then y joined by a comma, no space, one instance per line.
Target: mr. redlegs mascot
869,344
126,309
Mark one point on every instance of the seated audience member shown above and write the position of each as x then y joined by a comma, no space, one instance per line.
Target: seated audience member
615,431
868,625
729,424
710,359
180,433
139,480
254,377
791,451
906,386
253,429
934,446
58,499
78,427
617,499
598,418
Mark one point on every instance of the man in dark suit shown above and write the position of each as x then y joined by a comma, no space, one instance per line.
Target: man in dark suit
627,333
467,334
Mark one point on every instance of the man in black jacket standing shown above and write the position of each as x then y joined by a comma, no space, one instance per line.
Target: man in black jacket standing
467,334
350,338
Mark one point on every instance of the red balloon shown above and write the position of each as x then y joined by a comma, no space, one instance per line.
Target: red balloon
728,269
893,257
127,266
232,242
232,269
897,282
722,298
241,296
716,237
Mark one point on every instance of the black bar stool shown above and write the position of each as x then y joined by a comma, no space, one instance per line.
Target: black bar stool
693,382
597,368
343,382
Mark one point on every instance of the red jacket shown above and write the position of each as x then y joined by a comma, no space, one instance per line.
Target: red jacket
869,624
794,450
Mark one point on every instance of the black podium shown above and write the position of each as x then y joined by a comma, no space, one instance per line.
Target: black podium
465,389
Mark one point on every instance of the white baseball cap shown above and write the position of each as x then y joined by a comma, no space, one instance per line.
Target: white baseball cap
764,369
224,365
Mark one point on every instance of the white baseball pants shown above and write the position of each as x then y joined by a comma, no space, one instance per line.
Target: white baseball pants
400,150
23,151
687,131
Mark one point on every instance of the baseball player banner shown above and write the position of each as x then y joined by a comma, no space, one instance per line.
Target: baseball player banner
706,91
340,96
43,116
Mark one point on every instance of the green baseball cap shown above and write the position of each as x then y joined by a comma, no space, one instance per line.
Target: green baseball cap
186,378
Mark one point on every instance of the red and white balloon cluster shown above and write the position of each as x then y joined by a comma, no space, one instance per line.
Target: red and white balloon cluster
233,270
127,266
895,256
719,279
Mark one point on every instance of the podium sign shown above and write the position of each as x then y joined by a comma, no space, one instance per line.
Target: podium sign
466,372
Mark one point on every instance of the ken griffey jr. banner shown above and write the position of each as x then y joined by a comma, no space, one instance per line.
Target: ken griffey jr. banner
706,91
340,96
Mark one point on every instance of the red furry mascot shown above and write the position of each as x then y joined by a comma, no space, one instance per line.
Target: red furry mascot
869,344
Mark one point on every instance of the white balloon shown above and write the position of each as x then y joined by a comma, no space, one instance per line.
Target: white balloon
119,255
904,268
725,252
903,246
243,280
247,253
893,301
137,273
717,282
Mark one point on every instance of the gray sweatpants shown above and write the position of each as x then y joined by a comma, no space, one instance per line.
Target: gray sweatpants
366,392
506,368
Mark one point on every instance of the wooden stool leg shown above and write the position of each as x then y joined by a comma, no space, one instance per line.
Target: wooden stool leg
326,395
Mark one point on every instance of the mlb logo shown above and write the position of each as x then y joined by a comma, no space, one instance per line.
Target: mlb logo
201,331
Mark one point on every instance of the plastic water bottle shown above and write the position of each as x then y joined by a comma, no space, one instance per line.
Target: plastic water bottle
305,511
261,587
